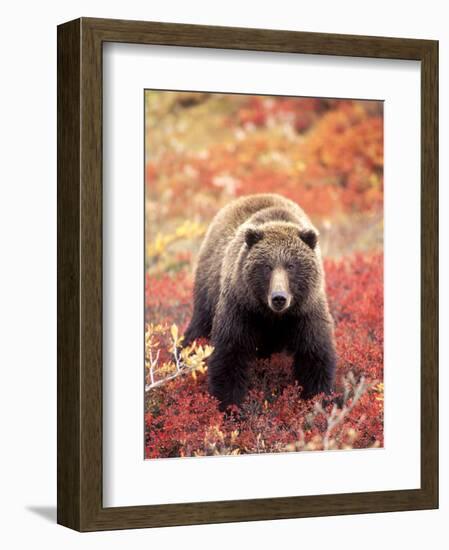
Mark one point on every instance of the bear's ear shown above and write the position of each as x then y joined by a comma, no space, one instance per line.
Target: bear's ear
253,236
309,236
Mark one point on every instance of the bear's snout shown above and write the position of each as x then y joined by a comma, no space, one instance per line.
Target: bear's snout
279,296
278,300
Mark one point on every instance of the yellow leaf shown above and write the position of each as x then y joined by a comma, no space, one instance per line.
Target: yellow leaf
174,332
208,350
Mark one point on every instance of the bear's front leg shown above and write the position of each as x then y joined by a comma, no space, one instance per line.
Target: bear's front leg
227,375
228,364
315,358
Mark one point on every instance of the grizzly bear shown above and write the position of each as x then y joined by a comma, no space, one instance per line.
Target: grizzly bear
259,289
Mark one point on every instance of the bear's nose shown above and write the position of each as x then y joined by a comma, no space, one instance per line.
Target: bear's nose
278,299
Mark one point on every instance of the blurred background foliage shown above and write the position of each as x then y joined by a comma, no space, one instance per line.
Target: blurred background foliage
203,150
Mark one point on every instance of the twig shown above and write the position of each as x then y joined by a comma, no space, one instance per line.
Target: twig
179,372
337,416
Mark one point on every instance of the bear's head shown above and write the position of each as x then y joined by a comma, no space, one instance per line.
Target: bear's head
281,266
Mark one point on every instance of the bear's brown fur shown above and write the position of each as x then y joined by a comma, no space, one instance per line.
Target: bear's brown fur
259,289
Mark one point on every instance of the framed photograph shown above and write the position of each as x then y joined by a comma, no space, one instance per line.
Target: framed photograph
247,274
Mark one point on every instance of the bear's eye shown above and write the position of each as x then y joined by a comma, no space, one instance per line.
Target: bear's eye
267,268
290,267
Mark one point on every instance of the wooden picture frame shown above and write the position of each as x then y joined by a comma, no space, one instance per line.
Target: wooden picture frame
79,112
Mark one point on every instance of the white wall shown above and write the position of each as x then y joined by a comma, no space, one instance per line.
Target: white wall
28,275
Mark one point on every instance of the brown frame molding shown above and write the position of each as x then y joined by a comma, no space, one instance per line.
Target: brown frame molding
80,273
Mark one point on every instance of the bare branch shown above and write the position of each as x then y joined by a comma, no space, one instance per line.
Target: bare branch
336,416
